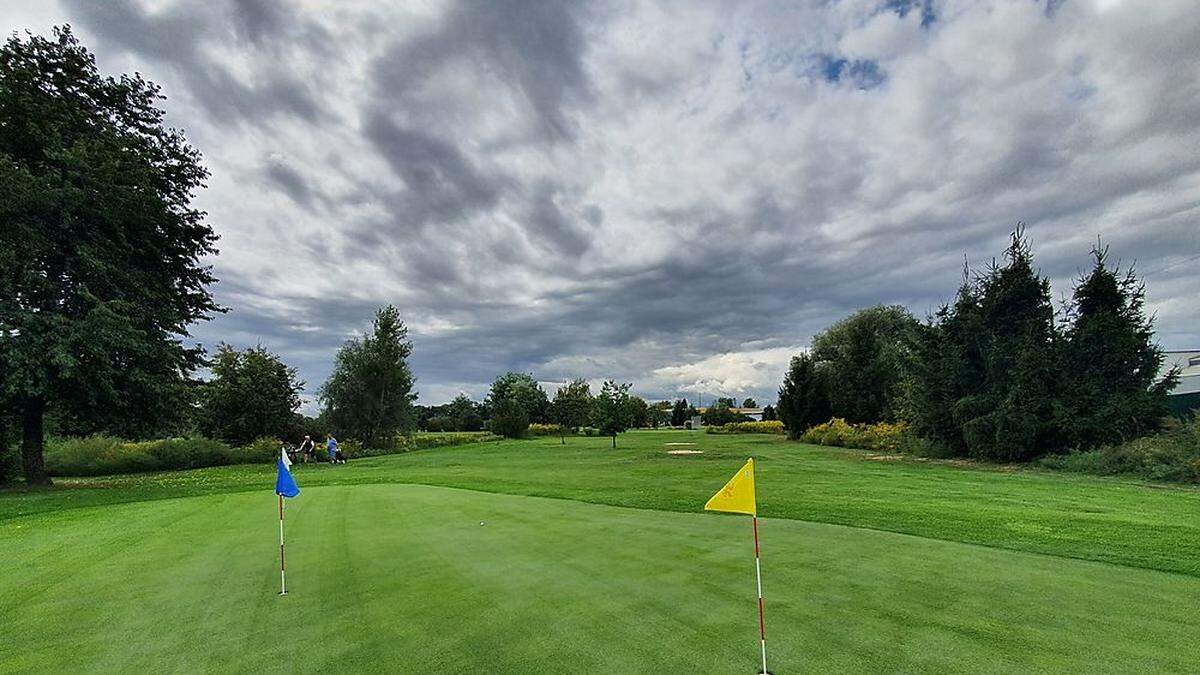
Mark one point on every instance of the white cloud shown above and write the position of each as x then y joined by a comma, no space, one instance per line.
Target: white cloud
734,191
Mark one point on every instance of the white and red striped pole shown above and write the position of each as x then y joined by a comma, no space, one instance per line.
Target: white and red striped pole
762,629
282,580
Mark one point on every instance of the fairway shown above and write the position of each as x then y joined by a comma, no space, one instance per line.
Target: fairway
389,576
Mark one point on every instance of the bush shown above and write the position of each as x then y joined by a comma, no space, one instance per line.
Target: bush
1170,456
100,455
768,427
10,463
509,419
419,441
547,430
882,437
261,450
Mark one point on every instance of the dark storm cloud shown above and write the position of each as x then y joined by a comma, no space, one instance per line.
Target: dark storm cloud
290,181
441,182
534,48
175,36
677,198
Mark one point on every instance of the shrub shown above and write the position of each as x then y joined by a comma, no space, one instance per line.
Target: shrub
10,463
420,441
99,455
1170,456
261,450
768,427
546,429
509,419
882,437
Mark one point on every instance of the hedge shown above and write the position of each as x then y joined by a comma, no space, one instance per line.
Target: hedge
102,455
768,427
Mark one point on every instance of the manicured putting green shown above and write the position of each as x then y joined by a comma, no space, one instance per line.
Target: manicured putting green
403,578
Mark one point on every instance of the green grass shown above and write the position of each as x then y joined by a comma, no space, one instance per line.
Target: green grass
1093,518
117,574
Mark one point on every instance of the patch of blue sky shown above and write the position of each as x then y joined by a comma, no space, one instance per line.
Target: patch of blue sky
903,7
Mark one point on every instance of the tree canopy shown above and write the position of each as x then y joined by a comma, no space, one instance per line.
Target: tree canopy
252,394
572,405
101,250
803,401
679,413
863,357
369,396
612,410
992,375
525,390
1111,360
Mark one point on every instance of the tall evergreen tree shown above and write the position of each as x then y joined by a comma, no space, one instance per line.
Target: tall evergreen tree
1112,361
986,373
369,397
1013,418
100,248
679,413
802,399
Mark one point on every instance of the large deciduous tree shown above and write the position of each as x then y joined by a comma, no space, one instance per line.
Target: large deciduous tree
522,388
464,414
252,394
572,406
509,418
100,248
369,397
612,410
862,358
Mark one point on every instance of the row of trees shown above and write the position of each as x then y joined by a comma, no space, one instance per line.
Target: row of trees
573,406
997,373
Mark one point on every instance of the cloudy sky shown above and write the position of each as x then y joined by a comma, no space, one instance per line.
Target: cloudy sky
677,194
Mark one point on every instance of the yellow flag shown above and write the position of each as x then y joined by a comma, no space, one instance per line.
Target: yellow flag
738,494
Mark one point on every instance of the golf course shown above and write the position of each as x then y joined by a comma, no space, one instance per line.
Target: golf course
532,556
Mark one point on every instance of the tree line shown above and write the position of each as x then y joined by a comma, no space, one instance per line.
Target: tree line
998,373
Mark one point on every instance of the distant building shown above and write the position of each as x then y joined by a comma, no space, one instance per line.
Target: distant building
753,413
1185,397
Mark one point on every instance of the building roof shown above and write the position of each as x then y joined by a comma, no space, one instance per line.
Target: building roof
1188,362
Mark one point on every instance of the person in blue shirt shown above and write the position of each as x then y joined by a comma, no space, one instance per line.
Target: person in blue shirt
331,446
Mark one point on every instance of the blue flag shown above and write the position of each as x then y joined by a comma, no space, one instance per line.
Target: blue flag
284,484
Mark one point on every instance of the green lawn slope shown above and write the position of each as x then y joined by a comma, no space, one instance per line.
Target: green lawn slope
404,578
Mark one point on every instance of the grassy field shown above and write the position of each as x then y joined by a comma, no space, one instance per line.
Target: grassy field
391,569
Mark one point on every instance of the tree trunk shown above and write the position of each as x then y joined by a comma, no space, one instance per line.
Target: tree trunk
614,440
32,442
563,436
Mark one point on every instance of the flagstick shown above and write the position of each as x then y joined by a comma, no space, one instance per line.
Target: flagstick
762,630
282,580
